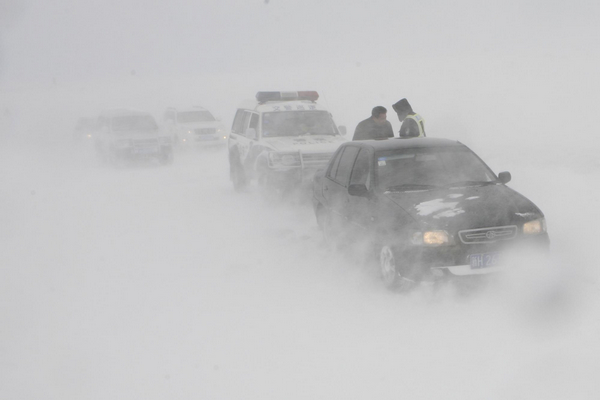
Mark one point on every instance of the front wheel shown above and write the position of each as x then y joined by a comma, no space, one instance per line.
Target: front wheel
166,157
389,262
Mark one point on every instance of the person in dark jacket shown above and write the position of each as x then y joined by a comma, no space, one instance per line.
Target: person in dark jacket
375,127
413,125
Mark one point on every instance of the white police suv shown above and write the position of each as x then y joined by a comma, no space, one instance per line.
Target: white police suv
281,140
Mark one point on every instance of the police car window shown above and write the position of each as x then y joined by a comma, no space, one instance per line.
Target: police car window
237,122
254,121
297,123
342,175
360,171
246,121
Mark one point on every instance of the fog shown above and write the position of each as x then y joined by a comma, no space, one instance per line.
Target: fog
163,282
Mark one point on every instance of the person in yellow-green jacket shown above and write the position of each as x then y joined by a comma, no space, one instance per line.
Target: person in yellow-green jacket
413,125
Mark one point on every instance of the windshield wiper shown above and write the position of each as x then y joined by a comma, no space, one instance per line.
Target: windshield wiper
470,183
410,186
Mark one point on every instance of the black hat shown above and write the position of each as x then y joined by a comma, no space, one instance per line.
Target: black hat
403,107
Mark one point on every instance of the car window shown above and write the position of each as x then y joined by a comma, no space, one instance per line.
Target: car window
334,165
133,123
254,122
195,116
405,169
342,175
296,123
238,121
360,171
246,121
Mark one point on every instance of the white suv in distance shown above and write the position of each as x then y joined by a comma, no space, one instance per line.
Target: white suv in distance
194,126
281,139
127,135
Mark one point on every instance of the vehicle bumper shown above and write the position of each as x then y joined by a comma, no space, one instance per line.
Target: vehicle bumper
454,260
293,175
200,141
134,153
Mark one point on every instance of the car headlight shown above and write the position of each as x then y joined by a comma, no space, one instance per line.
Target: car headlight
285,159
431,238
535,227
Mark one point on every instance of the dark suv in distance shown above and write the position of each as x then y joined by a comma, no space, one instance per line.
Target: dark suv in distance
430,208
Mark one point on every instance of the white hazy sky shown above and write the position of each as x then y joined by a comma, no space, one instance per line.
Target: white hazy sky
83,40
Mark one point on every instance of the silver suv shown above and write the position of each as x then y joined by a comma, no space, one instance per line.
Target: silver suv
127,135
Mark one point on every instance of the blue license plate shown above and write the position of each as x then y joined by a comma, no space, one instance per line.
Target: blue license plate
484,260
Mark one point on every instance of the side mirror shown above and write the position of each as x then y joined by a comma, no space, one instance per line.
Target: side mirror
358,189
504,177
251,133
342,130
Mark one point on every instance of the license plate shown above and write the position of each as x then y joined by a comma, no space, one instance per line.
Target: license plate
484,260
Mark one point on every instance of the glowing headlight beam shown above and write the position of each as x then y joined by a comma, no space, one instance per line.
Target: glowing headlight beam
534,227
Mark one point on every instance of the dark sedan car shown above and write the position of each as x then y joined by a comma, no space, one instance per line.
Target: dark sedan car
430,208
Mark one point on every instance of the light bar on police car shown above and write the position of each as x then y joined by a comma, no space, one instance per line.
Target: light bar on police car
263,97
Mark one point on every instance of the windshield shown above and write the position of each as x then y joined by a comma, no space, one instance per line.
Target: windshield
195,116
418,169
134,123
296,123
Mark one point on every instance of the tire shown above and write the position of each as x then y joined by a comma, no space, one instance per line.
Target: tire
166,157
389,267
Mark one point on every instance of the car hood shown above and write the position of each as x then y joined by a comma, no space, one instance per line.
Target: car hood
467,207
200,125
309,143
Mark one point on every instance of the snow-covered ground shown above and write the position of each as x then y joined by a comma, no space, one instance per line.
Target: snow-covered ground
162,282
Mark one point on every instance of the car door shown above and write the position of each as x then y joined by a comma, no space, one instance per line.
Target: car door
238,142
335,189
254,148
362,209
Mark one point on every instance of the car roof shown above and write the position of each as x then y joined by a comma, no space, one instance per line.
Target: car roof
404,143
188,108
269,106
120,112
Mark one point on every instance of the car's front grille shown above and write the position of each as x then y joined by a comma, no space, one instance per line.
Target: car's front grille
316,158
487,235
145,143
205,131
